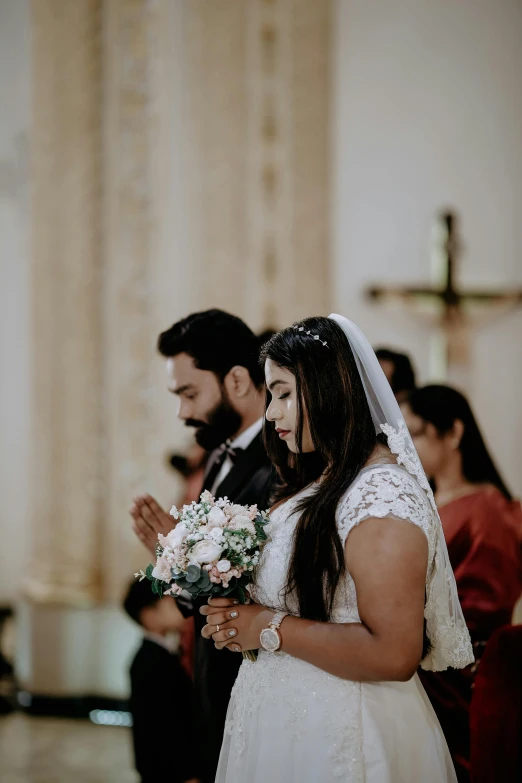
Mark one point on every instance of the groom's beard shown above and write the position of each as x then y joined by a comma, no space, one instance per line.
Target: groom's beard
223,422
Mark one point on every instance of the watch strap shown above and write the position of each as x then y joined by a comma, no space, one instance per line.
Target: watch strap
277,619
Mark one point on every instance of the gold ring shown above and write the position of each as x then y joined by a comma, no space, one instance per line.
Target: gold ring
217,628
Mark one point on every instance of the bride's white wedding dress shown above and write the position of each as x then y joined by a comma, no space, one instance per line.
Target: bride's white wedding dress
290,722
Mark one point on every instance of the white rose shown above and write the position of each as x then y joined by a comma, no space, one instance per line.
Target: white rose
205,552
223,566
216,517
216,533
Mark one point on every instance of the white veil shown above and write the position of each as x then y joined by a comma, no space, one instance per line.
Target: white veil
445,624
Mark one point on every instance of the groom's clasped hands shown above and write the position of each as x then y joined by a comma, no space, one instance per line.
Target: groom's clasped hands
233,625
149,519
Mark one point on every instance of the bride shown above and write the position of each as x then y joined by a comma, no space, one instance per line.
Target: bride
354,589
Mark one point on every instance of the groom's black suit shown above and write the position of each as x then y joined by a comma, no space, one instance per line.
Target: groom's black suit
247,483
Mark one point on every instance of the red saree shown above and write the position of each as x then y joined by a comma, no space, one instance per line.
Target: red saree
484,536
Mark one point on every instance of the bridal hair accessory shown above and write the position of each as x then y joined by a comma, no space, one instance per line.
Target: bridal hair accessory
314,335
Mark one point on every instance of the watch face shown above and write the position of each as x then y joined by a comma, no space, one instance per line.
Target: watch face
270,639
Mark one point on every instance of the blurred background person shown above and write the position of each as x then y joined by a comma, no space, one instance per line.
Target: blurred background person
483,529
7,680
399,371
161,697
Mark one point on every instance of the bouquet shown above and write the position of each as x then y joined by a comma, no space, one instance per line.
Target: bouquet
212,551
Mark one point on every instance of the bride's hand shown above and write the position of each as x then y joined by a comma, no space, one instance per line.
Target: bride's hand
239,625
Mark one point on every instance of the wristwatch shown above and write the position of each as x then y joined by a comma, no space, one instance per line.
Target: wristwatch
270,637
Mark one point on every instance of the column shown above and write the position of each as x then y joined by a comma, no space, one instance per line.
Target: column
258,103
66,487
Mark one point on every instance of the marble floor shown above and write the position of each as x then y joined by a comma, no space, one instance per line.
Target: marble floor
53,750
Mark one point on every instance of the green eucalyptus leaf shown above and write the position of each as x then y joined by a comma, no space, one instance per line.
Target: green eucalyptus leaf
204,580
159,588
193,573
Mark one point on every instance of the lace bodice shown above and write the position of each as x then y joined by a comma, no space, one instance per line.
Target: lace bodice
379,491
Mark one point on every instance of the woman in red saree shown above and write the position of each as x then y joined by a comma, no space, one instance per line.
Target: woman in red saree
483,529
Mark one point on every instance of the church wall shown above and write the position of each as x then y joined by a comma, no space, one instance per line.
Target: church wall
428,113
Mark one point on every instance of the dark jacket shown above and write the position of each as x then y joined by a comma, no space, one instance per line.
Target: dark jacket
215,671
161,703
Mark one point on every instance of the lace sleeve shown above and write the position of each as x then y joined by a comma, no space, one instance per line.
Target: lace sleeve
387,492
391,492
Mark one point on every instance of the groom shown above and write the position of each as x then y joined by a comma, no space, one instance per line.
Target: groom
212,362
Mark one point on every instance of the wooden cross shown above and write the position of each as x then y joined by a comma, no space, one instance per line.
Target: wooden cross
450,349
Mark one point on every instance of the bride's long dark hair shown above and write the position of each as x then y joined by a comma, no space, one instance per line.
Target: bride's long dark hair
331,396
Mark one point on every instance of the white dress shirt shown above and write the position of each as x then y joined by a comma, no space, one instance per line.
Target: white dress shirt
242,441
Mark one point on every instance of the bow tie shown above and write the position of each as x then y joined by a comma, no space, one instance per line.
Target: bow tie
217,459
226,450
